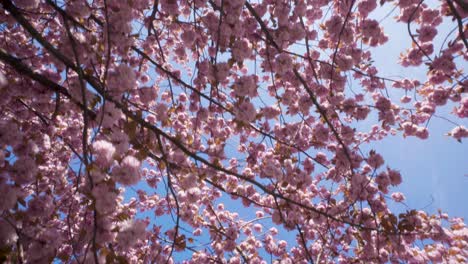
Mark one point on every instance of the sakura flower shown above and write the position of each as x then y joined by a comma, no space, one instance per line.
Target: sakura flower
122,79
127,172
258,228
170,7
2,158
370,28
429,15
9,133
383,181
8,234
365,7
110,115
27,4
3,81
104,152
235,260
409,128
246,112
245,86
272,170
193,194
427,33
97,175
8,197
221,71
308,165
241,50
462,110
41,205
422,133
394,176
398,197
105,198
439,96
361,112
375,160
271,112
78,9
130,233
161,112
443,64
197,232
405,99
345,62
283,64
120,141
459,132
24,170
383,104
334,24
148,94
188,37
321,133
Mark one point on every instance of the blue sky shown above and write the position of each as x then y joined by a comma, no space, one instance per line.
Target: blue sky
436,168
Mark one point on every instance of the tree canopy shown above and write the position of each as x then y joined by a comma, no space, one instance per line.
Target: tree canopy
131,131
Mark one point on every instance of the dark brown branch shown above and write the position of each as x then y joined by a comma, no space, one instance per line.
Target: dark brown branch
463,4
23,69
304,244
338,43
411,34
457,16
263,26
8,5
325,117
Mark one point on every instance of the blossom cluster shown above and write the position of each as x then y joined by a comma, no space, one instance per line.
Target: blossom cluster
133,131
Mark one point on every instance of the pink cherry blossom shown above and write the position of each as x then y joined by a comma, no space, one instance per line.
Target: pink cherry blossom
215,131
3,80
130,233
427,33
246,112
104,152
8,235
459,132
8,196
127,171
462,110
398,197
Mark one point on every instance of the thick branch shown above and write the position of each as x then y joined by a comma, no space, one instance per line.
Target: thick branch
461,33
22,68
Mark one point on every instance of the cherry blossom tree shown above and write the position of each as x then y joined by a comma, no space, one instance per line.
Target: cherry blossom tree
125,127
